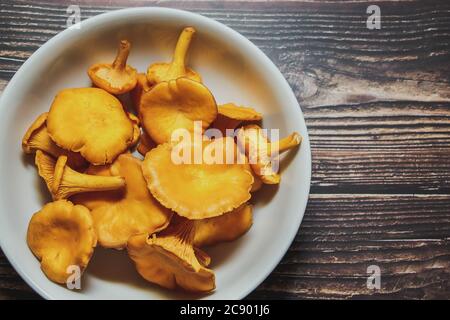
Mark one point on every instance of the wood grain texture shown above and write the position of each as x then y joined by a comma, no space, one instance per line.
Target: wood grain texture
377,106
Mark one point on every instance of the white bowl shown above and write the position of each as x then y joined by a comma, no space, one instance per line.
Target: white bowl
232,67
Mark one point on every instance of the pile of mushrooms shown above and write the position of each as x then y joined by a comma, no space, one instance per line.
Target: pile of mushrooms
163,213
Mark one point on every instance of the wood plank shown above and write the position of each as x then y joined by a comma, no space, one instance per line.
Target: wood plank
341,235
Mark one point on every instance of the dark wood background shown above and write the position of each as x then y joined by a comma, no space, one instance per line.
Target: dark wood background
377,106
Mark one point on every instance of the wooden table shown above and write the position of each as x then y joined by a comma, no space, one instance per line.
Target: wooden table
377,106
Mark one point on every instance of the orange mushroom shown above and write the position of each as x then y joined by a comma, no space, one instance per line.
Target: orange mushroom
62,181
61,235
230,116
119,215
169,259
227,227
37,138
90,121
176,104
160,72
197,190
260,151
118,77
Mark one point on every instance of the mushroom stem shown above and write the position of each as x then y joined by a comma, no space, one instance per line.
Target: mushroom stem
86,182
289,142
63,182
179,56
122,55
73,182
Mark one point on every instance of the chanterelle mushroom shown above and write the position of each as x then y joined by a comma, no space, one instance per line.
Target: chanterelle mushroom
62,181
37,138
119,215
176,104
90,121
227,227
61,235
169,259
159,72
230,116
197,191
118,77
260,151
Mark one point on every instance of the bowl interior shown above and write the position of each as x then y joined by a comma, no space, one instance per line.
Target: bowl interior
232,68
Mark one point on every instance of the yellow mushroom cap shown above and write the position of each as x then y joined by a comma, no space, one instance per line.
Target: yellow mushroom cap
242,113
118,77
117,216
169,259
37,138
230,116
227,227
160,72
196,191
176,104
92,122
61,235
62,181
